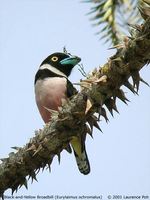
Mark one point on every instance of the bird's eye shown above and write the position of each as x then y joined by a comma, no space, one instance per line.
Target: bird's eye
54,58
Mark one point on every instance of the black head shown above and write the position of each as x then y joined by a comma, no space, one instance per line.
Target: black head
62,62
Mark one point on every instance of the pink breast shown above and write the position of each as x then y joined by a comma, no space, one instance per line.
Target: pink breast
49,95
49,103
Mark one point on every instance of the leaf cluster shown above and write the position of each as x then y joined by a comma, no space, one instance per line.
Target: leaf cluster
113,16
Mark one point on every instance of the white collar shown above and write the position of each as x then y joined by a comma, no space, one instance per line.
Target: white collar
52,69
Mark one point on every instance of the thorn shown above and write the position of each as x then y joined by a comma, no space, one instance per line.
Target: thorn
12,191
109,105
102,79
68,148
89,131
53,112
2,196
37,171
135,26
99,112
84,84
91,135
97,126
11,154
148,62
16,148
118,46
32,147
144,82
43,166
63,119
58,158
120,94
38,149
25,184
136,79
103,113
89,105
33,176
49,167
130,87
78,114
90,122
3,159
112,104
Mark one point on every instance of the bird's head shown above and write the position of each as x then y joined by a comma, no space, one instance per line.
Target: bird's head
61,62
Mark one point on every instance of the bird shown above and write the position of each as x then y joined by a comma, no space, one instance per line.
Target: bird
51,87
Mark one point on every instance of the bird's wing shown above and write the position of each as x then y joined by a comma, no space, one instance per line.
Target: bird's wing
71,90
78,143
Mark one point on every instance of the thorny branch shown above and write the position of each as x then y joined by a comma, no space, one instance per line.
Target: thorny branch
101,87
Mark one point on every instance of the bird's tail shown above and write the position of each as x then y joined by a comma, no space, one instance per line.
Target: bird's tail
81,156
83,162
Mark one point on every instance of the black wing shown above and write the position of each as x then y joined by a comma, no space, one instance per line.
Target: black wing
71,90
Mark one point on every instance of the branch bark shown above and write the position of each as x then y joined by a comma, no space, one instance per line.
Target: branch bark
102,87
